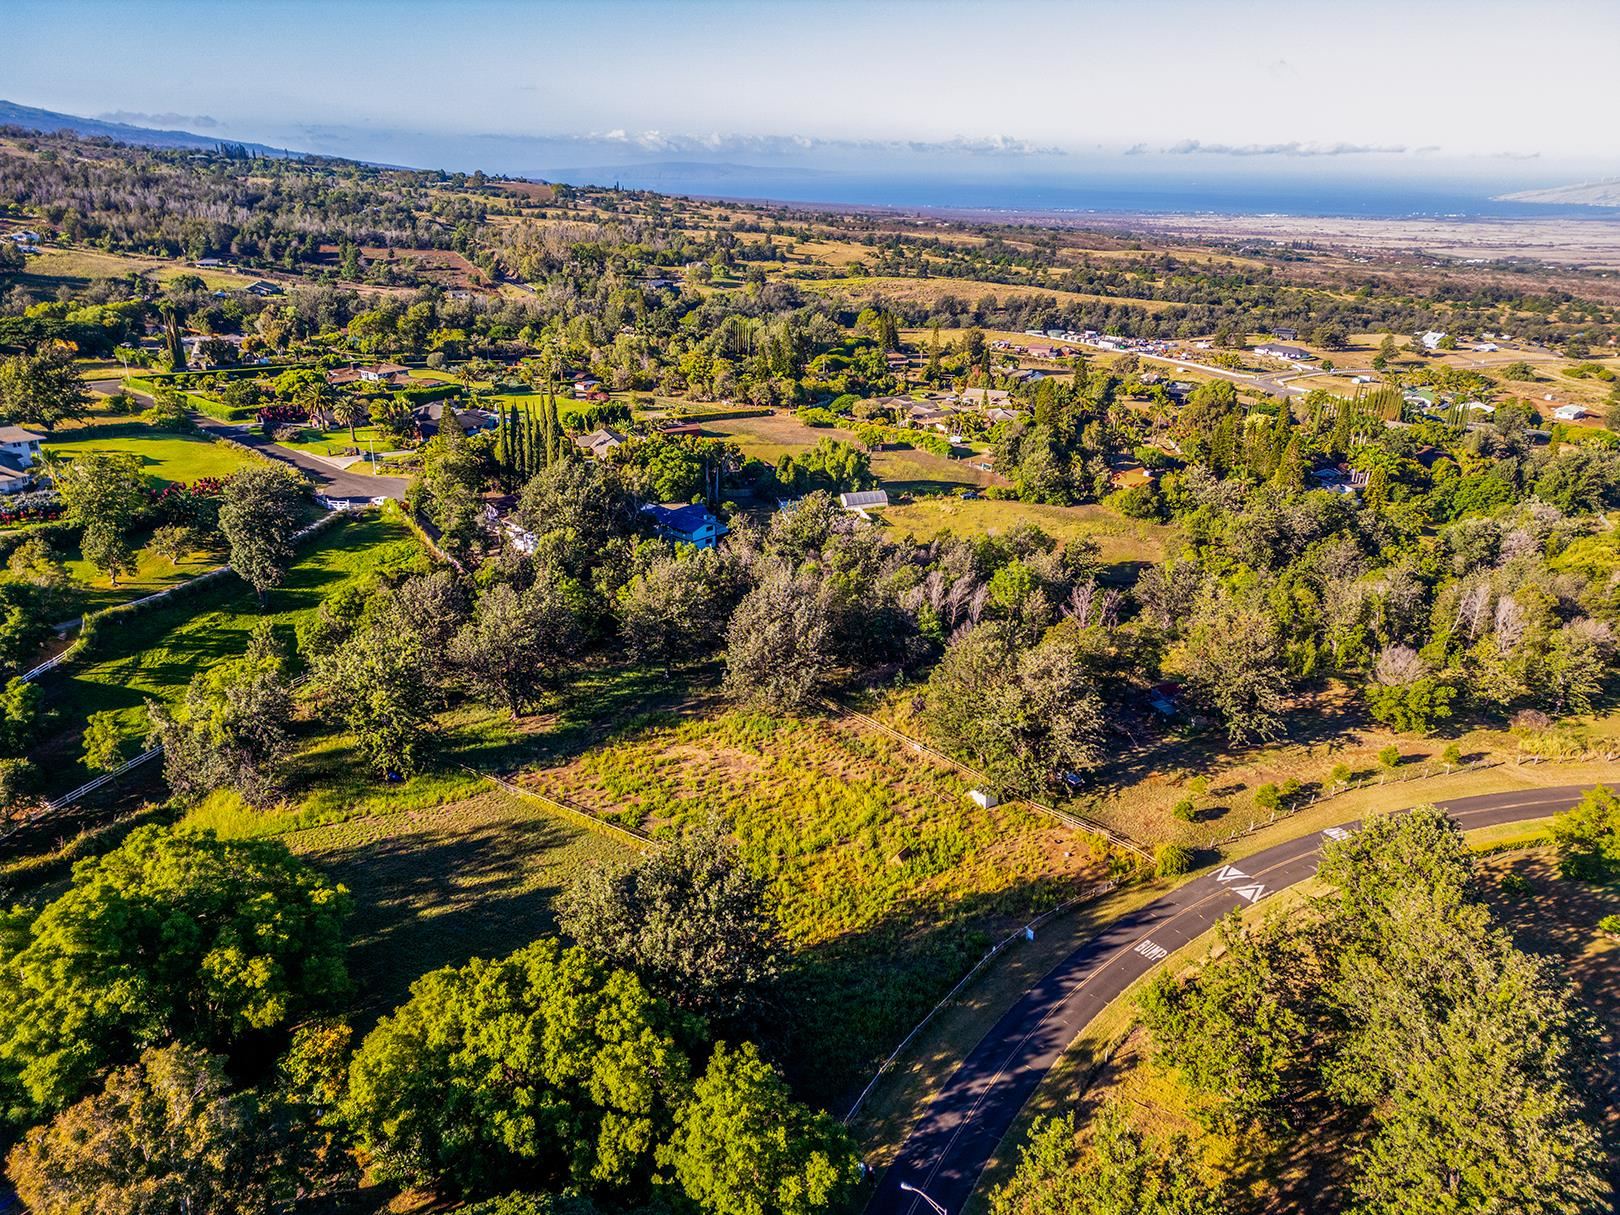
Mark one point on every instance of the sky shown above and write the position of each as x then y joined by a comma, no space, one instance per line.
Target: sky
1489,90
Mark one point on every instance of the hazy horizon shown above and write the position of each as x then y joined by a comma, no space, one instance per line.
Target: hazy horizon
1253,104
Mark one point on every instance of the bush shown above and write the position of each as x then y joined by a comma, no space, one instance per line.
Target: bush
1172,860
1184,810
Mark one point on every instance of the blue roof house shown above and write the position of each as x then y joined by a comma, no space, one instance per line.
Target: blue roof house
686,523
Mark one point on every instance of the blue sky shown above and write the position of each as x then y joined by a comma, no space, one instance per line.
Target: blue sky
1233,87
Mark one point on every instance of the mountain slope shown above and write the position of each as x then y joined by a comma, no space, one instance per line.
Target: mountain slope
32,119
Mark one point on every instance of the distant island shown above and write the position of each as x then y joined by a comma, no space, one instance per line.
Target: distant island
1586,194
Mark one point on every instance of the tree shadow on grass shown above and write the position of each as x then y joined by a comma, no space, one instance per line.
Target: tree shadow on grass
437,889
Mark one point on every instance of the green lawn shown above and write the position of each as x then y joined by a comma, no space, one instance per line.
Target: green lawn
164,456
1120,539
438,886
155,654
336,441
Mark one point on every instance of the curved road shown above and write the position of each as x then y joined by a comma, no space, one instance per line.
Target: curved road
961,1128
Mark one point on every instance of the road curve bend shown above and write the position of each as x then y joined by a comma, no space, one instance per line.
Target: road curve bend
964,1123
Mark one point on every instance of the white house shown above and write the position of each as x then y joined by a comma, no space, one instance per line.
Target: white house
1569,413
1291,354
1432,339
864,500
18,450
599,442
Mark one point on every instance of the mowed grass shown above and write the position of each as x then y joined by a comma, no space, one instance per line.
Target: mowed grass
164,456
435,887
154,654
890,883
903,469
1119,538
77,267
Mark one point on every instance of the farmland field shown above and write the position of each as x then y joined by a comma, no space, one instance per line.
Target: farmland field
1120,539
900,470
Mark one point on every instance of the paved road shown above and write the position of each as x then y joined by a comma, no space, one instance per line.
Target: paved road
968,1117
330,480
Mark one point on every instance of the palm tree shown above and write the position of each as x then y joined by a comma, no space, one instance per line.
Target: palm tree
346,411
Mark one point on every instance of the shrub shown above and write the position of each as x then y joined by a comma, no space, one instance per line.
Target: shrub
1172,860
1184,810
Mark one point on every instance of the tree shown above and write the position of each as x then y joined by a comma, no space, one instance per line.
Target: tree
542,1066
21,713
379,683
517,642
103,742
447,489
1233,660
577,509
1588,837
347,411
42,389
1405,693
743,1146
232,729
1119,1171
165,1134
102,492
174,935
675,608
259,517
1027,718
170,410
778,645
690,920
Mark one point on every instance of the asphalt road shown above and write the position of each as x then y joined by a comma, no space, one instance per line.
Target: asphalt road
332,481
960,1130
329,480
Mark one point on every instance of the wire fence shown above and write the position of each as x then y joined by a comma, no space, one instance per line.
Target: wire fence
1077,821
576,814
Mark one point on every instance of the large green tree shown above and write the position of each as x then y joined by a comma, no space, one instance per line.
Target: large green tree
743,1146
42,389
103,493
259,517
174,935
1117,1171
779,645
543,1067
1588,836
518,641
232,728
690,920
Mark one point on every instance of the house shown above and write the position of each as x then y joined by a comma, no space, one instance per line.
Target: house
18,447
986,396
599,442
208,263
1569,413
472,421
1339,479
259,287
995,415
340,376
674,429
384,373
864,500
1291,354
14,479
685,523
923,413
1486,347
1432,339
1285,335
1131,478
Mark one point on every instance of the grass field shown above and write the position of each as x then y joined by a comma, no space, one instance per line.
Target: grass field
154,654
51,268
872,852
164,456
438,886
902,470
930,291
1120,539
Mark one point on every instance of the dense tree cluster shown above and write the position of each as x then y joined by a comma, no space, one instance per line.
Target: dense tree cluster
1397,999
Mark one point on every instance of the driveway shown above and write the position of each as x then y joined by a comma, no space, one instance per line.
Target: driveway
967,1119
